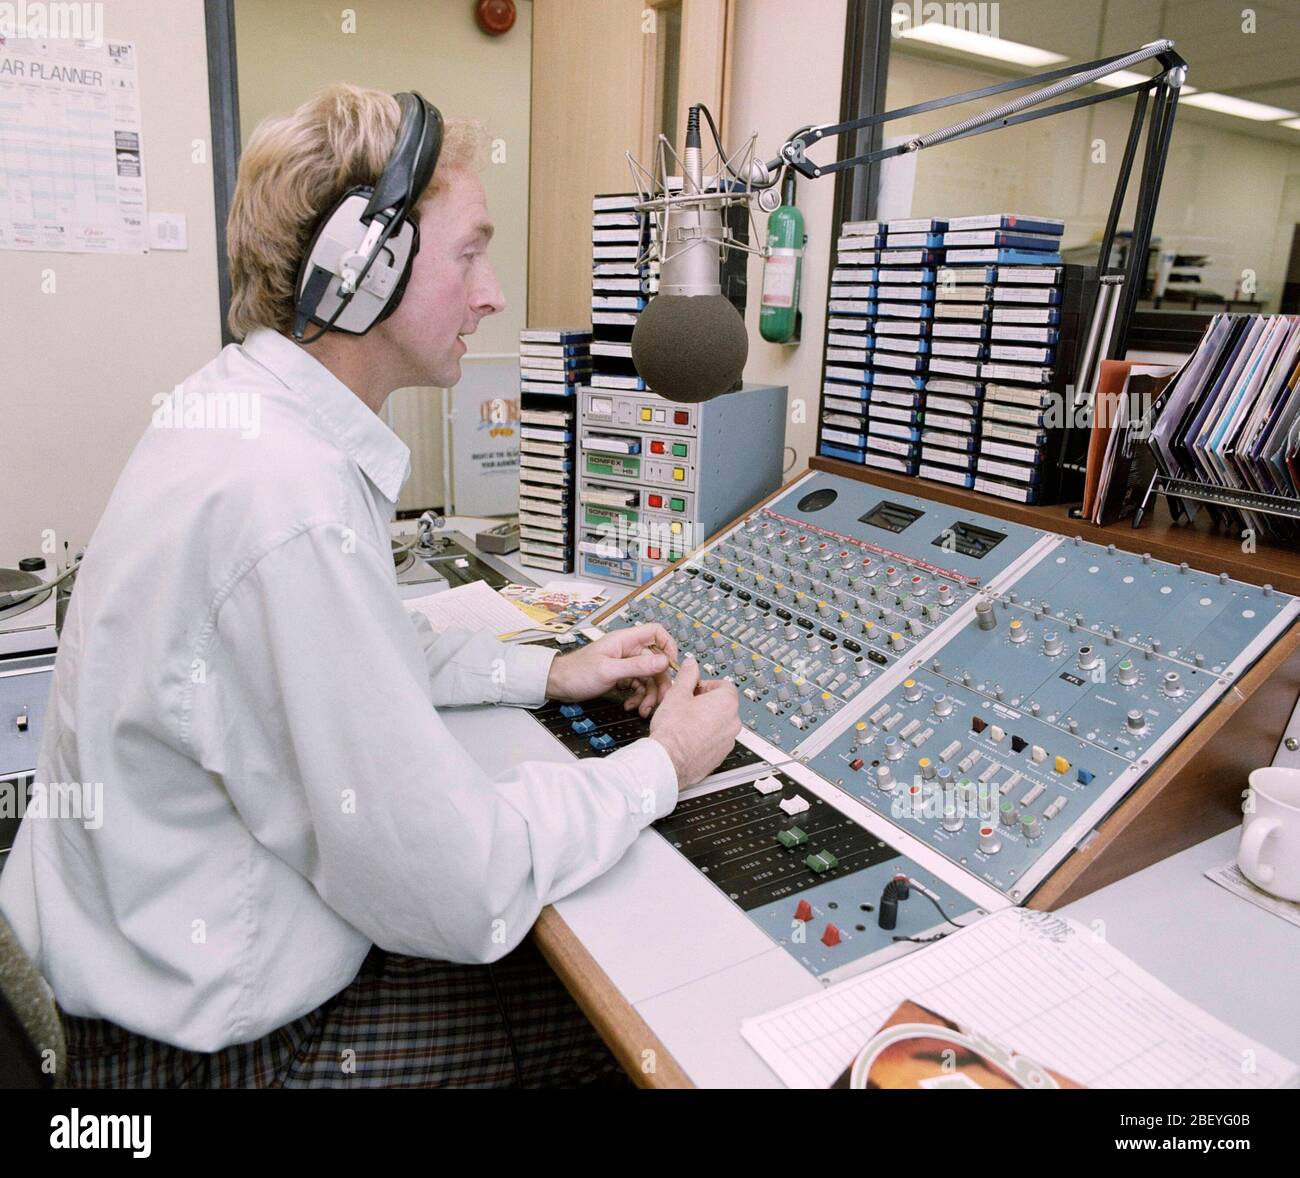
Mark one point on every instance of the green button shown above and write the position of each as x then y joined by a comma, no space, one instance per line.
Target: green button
821,861
679,449
677,504
791,837
674,555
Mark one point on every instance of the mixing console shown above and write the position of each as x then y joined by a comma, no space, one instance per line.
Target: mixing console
981,694
598,727
811,877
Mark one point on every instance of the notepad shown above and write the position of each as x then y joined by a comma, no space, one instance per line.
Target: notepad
1044,983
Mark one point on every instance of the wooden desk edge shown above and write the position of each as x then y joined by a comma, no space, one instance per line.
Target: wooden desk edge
636,1047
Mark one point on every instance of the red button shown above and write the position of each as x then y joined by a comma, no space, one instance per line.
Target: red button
856,763
656,447
804,911
831,937
681,417
652,554
656,500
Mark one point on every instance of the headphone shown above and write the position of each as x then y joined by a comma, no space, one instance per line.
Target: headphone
356,268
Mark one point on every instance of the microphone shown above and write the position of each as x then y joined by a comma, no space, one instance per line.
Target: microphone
690,343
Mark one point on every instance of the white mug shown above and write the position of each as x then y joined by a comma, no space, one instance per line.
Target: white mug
1269,855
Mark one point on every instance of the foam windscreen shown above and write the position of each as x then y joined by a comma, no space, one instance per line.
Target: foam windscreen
690,348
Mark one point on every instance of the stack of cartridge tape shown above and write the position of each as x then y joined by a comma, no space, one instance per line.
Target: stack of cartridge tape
878,341
621,285
993,319
552,363
997,324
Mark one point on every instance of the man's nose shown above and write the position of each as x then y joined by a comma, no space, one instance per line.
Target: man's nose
489,298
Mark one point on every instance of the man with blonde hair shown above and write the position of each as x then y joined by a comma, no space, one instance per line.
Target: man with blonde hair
300,877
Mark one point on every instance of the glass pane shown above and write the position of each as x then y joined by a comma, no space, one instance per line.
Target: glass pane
1230,202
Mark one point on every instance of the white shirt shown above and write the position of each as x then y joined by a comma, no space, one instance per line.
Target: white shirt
279,791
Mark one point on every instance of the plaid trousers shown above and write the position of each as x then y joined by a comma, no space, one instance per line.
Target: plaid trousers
403,1022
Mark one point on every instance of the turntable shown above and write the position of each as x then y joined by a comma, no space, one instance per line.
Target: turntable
28,625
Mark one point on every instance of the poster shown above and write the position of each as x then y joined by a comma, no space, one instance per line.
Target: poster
71,155
485,436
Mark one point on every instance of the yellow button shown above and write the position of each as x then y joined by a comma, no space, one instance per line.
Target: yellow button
1015,625
1062,765
675,527
826,695
844,615
923,762
778,669
679,473
735,646
645,414
753,658
894,635
861,725
909,682
868,626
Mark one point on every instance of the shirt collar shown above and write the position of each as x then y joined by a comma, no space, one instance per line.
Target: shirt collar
349,422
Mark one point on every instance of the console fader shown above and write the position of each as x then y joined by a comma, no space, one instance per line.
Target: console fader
976,694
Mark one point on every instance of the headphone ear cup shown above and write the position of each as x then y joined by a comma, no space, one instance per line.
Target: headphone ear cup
399,289
335,246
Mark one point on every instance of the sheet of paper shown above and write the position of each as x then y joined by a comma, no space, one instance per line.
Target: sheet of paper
71,156
474,607
1229,876
1041,984
576,588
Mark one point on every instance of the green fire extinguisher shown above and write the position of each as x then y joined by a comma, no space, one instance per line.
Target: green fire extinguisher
782,268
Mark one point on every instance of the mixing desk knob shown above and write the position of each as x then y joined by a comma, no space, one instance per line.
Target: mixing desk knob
1008,813
1072,726
1199,660
952,818
1029,826
840,596
990,844
778,673
869,628
917,585
1052,644
805,687
984,615
858,584
911,690
833,574
998,693
885,778
927,768
913,626
1087,658
718,639
1018,630
1135,721
711,560
942,705
771,622
1127,673
861,668
783,692
806,707
944,594
751,612
812,645
896,641
824,608
893,749
966,678
805,544
893,576
838,655
1173,683
791,632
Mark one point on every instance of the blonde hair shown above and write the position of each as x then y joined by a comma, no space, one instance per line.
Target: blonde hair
294,170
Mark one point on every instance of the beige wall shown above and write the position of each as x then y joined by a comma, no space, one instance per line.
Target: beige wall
1234,196
80,365
288,48
777,87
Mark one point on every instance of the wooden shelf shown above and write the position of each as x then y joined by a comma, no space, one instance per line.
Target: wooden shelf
1201,548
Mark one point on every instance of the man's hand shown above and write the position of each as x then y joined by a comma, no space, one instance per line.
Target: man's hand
622,659
697,723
